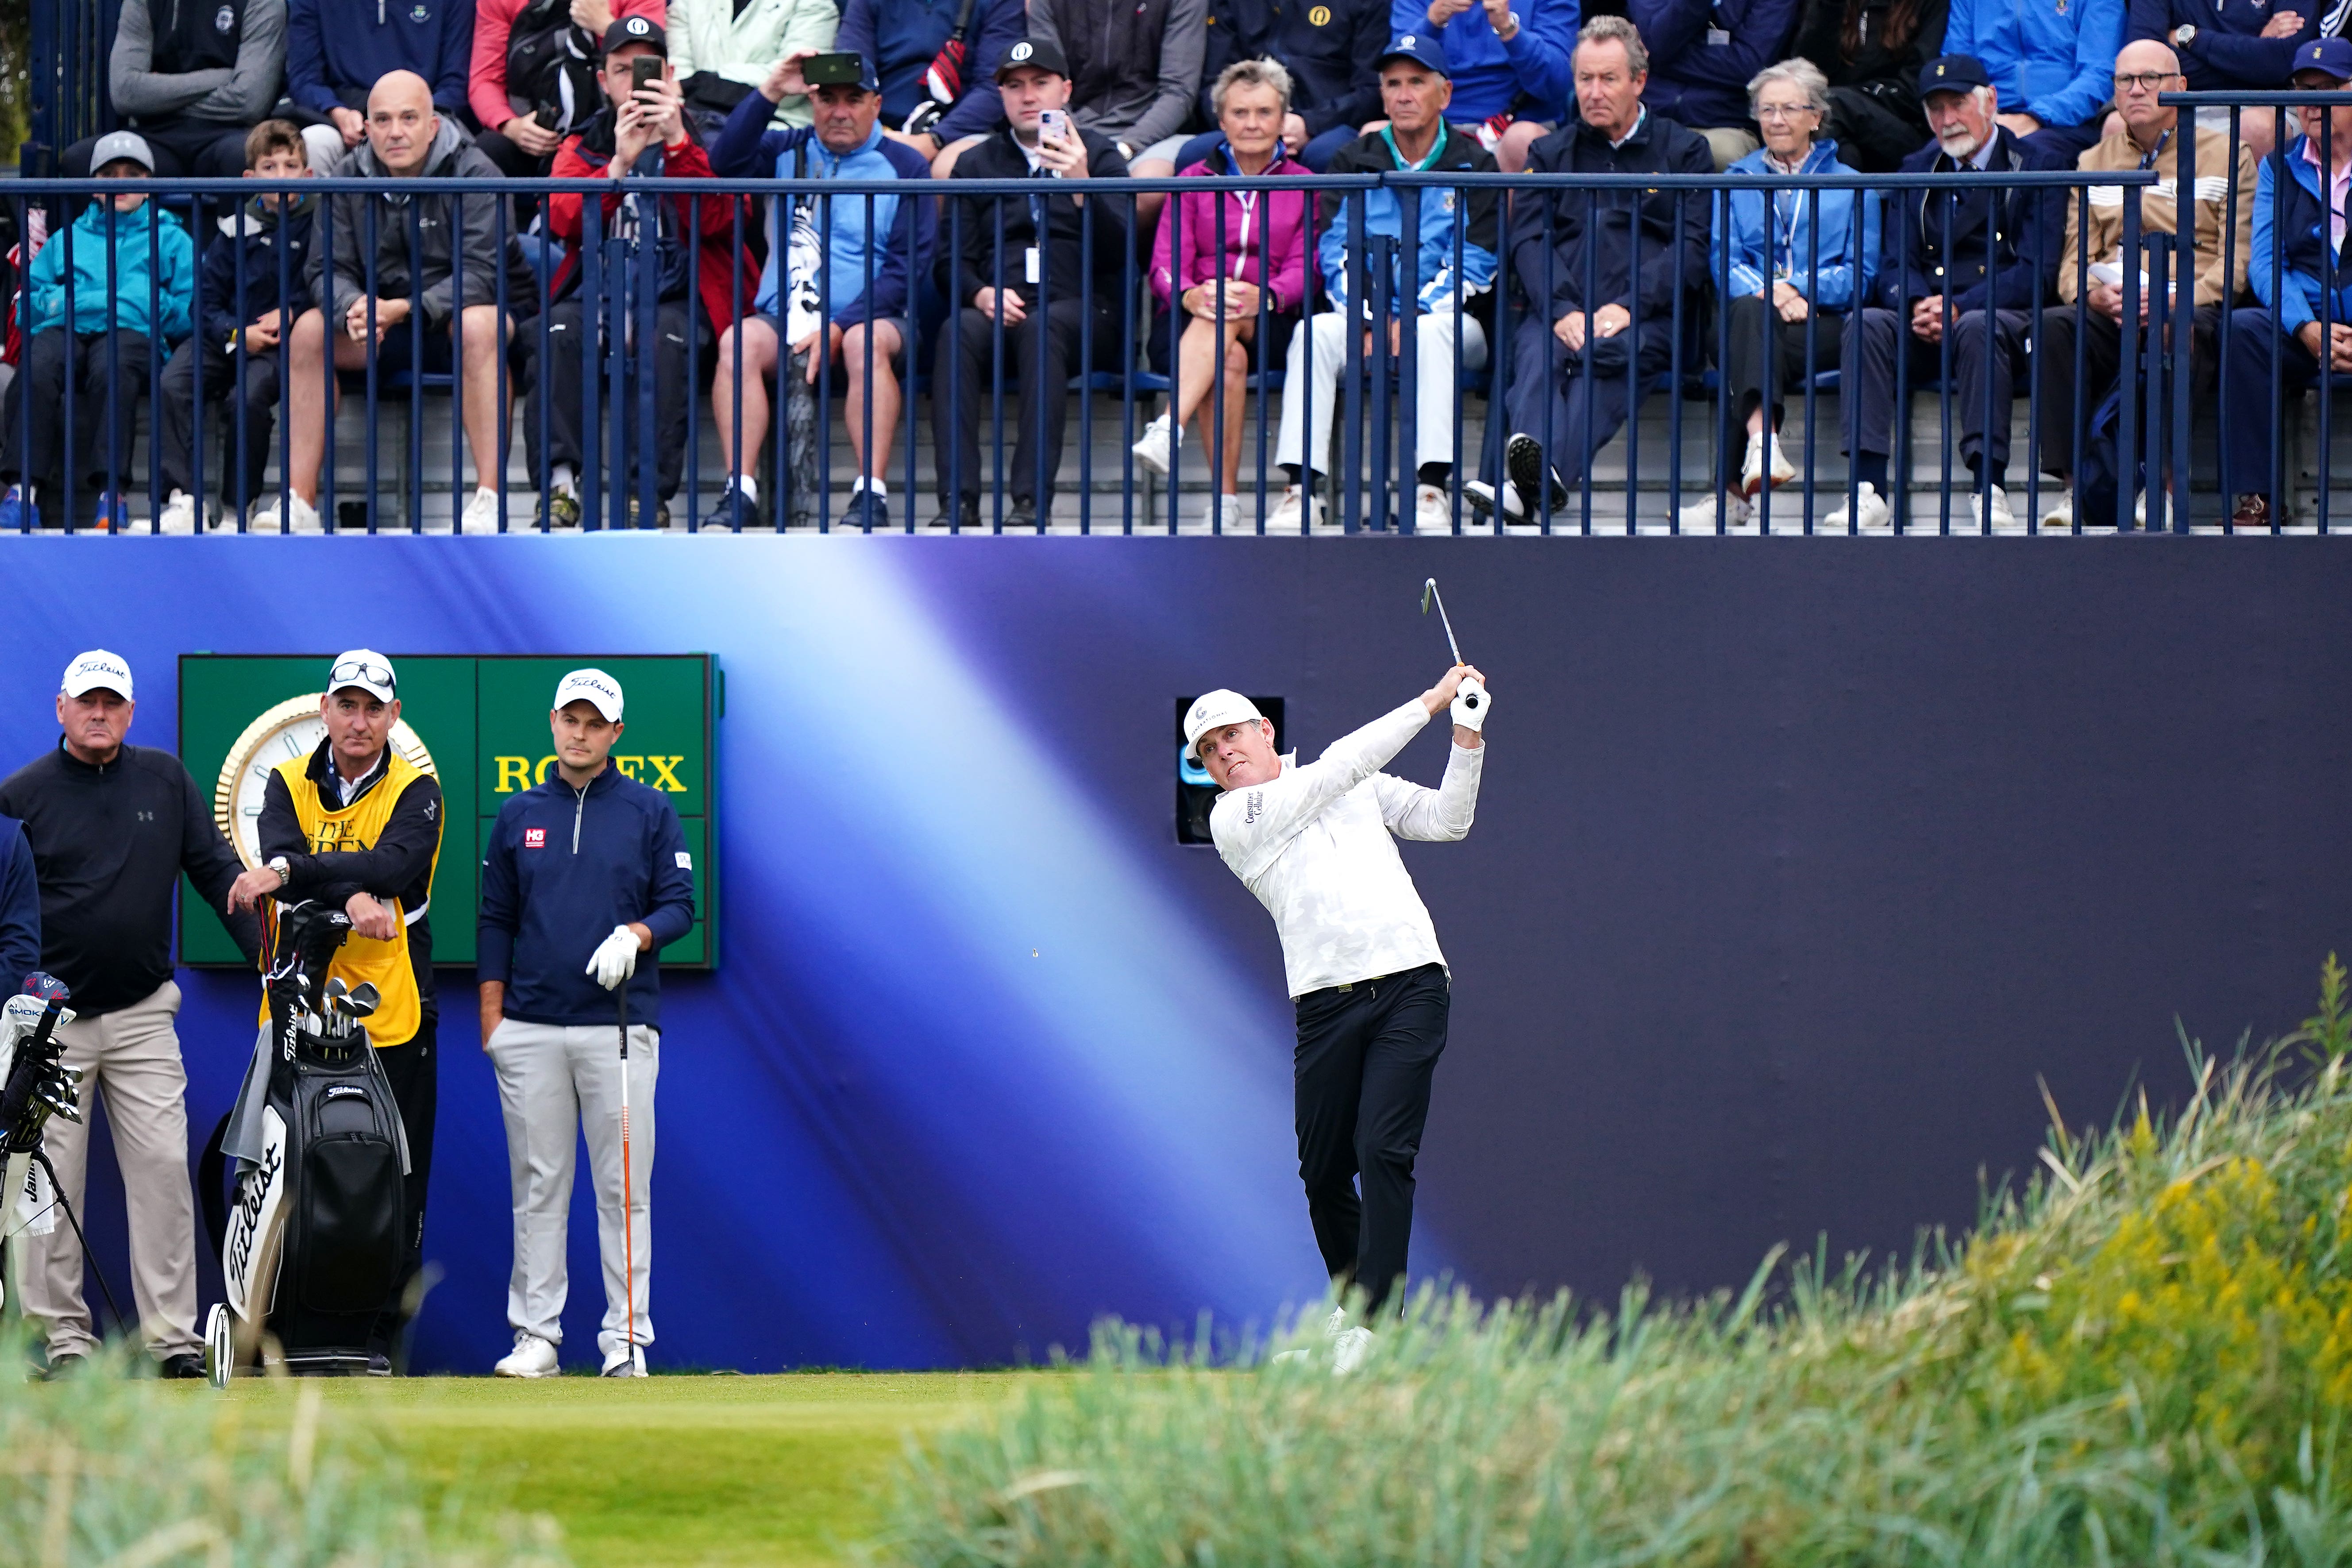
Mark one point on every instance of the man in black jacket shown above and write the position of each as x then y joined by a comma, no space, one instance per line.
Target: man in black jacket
1595,323
1331,48
1030,289
112,827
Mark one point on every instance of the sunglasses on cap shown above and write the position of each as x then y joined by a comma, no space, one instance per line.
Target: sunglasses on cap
360,672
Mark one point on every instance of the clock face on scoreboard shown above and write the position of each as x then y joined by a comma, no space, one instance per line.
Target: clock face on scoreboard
290,731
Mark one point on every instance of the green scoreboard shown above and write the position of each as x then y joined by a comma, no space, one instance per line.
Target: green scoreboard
478,723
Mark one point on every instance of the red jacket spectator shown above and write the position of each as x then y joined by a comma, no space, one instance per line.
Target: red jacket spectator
1263,229
713,214
494,20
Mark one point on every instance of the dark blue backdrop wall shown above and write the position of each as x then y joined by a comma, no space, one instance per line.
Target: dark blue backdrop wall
1797,862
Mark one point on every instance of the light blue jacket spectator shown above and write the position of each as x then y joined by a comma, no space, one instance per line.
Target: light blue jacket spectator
2293,293
1766,241
2055,59
1529,78
134,266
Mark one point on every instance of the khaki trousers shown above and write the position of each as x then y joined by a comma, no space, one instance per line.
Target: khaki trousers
130,1062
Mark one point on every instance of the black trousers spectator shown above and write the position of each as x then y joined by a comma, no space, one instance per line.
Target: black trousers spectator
36,398
1361,1076
181,421
1041,357
511,160
183,149
1744,372
1867,380
564,378
414,1070
1878,130
1597,382
2102,351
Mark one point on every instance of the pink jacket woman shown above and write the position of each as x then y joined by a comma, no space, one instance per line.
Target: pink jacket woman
1263,229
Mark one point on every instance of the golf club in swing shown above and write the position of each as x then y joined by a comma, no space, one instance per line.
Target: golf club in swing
1473,692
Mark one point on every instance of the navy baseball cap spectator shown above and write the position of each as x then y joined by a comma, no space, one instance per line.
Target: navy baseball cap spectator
2332,56
1041,53
1952,73
1420,47
636,30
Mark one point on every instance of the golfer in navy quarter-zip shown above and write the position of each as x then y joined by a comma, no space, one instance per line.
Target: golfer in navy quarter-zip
584,875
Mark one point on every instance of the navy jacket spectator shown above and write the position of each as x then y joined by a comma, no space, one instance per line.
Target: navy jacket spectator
1332,83
20,908
562,867
979,264
2031,223
2055,59
257,233
2228,50
1531,77
903,36
1669,228
337,50
1703,53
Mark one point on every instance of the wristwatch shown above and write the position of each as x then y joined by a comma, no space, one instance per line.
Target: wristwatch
2183,34
1513,18
284,868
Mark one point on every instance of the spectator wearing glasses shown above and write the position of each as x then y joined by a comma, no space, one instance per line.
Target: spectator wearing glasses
1995,238
1793,257
1582,353
1513,64
191,86
533,80
1704,54
1414,93
2145,70
1870,51
1330,48
336,51
2240,48
816,309
2049,60
2288,331
88,333
1255,255
406,140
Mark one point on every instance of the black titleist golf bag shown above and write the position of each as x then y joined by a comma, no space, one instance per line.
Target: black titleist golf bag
311,1247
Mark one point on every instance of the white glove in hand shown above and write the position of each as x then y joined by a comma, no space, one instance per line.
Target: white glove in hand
1471,704
615,958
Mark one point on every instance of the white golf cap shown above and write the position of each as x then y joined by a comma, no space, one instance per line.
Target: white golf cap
1214,711
98,667
367,669
591,686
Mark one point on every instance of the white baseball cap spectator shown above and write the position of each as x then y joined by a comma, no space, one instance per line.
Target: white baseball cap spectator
98,667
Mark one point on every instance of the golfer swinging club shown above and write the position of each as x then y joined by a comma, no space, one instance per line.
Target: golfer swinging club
1368,983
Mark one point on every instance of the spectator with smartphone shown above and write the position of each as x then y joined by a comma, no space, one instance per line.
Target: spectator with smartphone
535,79
243,303
338,50
724,49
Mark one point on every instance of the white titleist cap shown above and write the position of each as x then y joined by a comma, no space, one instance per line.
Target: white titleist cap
592,686
98,667
367,669
1214,711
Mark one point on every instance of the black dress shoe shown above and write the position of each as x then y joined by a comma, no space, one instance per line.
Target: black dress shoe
187,1364
1022,515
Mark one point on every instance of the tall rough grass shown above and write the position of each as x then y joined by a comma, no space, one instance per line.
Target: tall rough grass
2143,1357
103,1470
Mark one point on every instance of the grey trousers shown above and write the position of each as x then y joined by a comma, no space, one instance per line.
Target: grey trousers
552,1081
130,1061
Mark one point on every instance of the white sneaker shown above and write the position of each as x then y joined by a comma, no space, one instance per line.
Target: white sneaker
482,515
1350,1348
1431,512
1224,509
298,517
2059,512
629,1363
179,514
1484,498
2001,518
532,1357
1295,502
1157,450
1698,516
1875,515
1765,456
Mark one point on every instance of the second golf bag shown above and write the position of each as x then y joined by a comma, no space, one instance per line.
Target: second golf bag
310,1248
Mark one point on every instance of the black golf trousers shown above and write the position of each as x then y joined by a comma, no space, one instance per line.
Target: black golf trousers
1361,1072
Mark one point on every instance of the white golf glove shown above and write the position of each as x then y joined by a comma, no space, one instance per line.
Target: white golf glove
1471,704
615,958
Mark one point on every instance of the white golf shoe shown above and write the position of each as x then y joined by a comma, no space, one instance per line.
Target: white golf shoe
1295,504
1699,516
629,1361
532,1357
299,516
2002,519
1221,514
1350,1348
179,514
1871,512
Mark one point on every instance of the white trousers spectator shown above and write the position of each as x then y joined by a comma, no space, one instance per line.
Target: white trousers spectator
553,1084
130,1062
1434,383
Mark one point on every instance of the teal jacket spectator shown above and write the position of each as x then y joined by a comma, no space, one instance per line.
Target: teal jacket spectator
1528,77
1775,239
1471,211
2292,209
337,50
153,266
2053,59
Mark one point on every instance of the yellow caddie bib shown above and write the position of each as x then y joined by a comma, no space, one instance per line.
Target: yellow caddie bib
363,959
